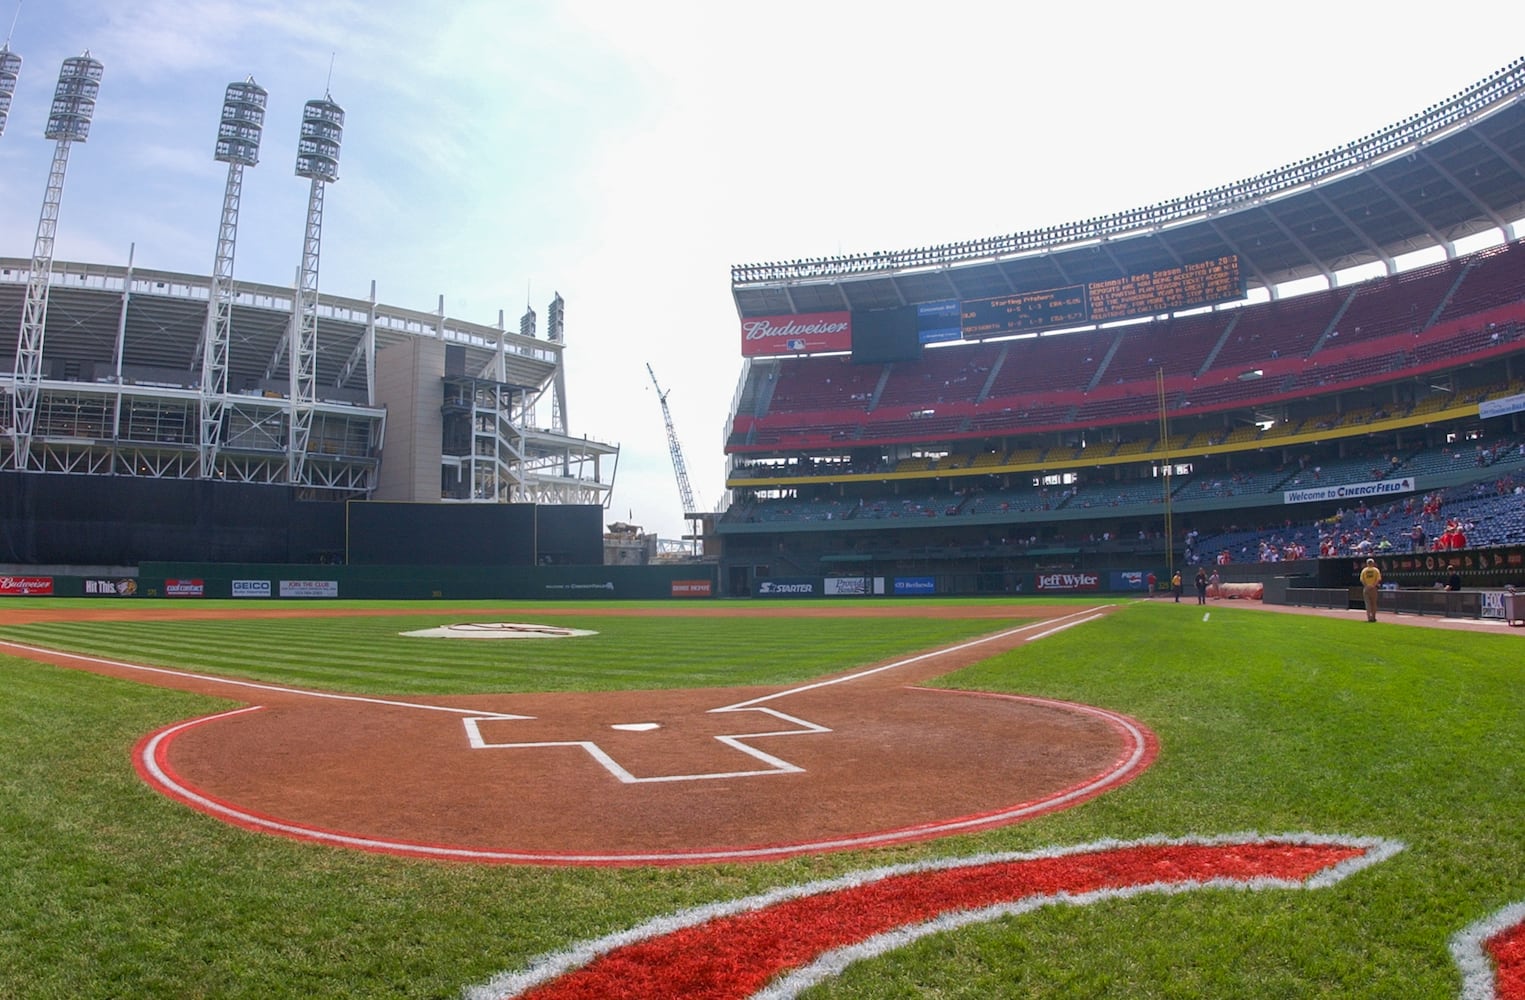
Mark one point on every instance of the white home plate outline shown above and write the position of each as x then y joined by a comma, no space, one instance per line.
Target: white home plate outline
776,765
498,630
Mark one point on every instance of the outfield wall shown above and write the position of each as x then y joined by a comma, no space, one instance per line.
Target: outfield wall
265,581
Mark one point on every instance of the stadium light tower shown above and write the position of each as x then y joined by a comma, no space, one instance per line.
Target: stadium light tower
10,69
556,333
318,161
243,122
79,83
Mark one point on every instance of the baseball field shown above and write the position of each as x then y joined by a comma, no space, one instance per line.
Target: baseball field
911,798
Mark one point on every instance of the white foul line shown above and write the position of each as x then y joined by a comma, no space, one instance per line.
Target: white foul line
256,685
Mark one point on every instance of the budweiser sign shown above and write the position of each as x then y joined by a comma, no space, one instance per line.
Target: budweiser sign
22,586
807,333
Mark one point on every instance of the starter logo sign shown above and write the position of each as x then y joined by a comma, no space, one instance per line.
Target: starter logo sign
786,588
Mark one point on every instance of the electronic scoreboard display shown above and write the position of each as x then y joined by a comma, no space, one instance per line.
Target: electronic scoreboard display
1198,284
1024,311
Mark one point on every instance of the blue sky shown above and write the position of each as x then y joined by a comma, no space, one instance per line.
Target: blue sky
626,155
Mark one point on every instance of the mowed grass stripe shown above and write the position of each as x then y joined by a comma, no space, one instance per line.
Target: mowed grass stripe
367,654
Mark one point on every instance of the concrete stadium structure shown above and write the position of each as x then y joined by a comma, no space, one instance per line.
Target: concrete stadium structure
214,389
458,410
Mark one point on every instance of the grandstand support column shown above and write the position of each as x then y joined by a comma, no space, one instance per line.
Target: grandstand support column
243,118
1168,471
318,161
79,81
119,348
500,354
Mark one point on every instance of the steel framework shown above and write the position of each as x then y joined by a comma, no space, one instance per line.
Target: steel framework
317,160
79,81
238,136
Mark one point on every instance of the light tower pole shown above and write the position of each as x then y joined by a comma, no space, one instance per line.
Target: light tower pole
318,161
10,69
243,122
79,82
556,332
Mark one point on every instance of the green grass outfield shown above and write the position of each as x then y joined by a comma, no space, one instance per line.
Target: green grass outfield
1266,722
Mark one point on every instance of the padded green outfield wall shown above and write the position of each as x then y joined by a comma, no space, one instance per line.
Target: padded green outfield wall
256,581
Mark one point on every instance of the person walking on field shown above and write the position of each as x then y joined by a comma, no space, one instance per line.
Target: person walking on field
1201,585
1175,586
1371,582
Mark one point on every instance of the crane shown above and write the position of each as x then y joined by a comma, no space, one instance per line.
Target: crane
679,467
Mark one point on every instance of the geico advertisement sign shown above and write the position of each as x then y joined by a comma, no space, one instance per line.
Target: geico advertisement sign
1068,581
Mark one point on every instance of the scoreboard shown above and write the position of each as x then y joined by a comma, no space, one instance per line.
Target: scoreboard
1024,311
1198,284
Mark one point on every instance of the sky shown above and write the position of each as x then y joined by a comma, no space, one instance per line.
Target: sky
625,156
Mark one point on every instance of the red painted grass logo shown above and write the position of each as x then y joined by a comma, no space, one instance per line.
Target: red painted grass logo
774,945
1491,956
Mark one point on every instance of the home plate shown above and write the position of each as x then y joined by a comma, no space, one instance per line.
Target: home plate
498,630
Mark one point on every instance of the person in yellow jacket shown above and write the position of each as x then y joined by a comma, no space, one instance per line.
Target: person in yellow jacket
1371,582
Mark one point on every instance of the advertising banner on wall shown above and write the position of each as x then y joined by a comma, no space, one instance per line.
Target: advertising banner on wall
691,588
1501,407
780,586
121,587
309,588
251,588
806,333
1352,491
25,586
184,588
1051,583
924,586
854,586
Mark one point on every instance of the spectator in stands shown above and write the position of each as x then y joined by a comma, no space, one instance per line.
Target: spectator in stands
1416,538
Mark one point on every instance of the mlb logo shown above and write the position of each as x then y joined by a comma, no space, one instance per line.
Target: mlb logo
796,345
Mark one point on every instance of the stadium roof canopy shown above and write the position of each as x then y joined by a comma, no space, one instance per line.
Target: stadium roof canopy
160,329
1451,171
